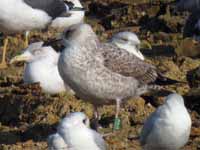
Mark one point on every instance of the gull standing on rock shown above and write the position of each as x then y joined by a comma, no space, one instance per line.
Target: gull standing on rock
168,128
102,73
17,16
75,131
42,66
128,41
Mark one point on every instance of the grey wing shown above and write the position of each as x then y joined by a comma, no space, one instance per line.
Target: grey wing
127,64
149,124
53,8
188,5
99,140
152,121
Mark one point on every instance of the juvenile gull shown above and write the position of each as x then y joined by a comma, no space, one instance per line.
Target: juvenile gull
42,66
17,16
77,135
102,73
168,128
128,41
56,142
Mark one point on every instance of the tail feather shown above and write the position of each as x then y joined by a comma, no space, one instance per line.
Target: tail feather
162,80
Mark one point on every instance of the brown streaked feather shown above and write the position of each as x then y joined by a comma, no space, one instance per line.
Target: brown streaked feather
127,64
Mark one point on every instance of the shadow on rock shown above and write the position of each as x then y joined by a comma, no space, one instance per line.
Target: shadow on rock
160,50
36,133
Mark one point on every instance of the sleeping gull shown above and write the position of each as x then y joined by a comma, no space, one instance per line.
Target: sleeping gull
41,66
168,128
56,142
17,16
128,41
77,135
102,73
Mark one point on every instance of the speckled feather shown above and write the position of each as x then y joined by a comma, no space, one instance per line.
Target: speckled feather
127,64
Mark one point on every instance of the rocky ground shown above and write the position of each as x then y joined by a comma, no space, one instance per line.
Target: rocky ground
28,116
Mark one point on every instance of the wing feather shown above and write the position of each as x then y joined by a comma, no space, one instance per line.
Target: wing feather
127,64
53,8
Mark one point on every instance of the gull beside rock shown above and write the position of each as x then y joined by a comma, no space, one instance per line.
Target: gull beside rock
42,66
75,131
168,128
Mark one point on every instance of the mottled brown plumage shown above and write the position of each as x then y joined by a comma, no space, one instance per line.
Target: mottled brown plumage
127,64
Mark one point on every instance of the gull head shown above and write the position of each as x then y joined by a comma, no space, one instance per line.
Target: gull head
73,4
128,41
77,33
174,100
35,51
75,119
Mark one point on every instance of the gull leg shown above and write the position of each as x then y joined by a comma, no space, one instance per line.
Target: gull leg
96,113
26,38
96,118
3,64
117,121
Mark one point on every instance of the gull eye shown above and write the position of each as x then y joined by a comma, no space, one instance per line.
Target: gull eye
85,121
124,39
69,4
137,47
67,33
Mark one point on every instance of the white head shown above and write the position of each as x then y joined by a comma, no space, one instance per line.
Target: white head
76,3
128,41
75,131
74,120
36,51
174,100
79,33
56,142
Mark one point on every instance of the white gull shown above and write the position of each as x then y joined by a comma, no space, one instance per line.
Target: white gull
168,128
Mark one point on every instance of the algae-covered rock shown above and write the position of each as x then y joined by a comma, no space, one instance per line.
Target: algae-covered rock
193,77
188,47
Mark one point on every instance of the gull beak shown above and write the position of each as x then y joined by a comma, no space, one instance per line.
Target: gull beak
77,9
19,58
